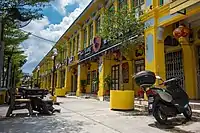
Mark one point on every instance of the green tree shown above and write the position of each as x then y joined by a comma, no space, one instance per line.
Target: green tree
13,13
14,55
120,27
27,8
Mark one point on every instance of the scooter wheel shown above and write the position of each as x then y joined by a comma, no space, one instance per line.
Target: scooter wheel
188,112
159,116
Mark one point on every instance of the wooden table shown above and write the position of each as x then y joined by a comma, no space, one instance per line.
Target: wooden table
38,102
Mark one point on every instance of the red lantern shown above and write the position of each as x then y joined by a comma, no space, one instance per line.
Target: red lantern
185,32
181,31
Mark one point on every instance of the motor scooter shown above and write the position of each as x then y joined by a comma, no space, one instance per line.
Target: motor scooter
167,102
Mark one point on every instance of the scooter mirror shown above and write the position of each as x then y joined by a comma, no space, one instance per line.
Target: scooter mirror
158,77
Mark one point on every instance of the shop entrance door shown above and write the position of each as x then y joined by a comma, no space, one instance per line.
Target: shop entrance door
174,66
115,77
94,84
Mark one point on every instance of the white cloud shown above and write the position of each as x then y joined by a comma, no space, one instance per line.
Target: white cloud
61,4
36,48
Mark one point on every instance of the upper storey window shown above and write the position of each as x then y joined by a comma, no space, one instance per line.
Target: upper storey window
85,38
74,45
98,21
91,33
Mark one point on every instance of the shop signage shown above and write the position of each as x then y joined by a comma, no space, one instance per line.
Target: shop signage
96,43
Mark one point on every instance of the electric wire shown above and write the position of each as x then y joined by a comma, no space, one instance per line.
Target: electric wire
38,36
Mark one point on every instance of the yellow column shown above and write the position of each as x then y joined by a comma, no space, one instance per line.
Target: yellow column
58,79
104,70
189,64
67,80
81,39
81,76
154,50
69,75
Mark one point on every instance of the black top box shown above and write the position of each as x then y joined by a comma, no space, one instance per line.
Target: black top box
145,78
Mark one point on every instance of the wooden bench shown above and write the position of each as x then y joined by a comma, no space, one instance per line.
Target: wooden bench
17,104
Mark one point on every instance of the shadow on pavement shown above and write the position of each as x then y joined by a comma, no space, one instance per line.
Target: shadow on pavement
172,123
134,113
22,123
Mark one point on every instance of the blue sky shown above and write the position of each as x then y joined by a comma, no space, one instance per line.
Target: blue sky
57,18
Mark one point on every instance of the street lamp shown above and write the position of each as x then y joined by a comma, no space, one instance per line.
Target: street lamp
55,53
38,71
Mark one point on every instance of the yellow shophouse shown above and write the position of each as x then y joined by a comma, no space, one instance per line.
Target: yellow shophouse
171,49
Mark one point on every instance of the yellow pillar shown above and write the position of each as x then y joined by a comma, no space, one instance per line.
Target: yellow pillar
154,50
58,79
189,64
104,69
81,32
67,79
81,76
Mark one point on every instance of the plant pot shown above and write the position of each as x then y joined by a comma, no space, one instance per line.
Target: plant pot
122,100
60,92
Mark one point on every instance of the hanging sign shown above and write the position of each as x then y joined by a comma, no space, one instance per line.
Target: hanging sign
96,43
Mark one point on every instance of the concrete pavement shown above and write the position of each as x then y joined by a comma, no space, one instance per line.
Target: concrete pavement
92,116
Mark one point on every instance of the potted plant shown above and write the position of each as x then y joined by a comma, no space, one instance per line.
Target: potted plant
129,26
108,84
83,85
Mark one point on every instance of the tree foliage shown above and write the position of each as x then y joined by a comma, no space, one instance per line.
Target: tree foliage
27,8
10,12
120,26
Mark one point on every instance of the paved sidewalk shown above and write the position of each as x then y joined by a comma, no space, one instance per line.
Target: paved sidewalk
92,116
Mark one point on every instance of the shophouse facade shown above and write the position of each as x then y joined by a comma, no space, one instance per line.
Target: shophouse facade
83,56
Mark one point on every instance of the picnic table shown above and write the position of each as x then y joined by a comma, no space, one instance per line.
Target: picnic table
38,101
35,99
